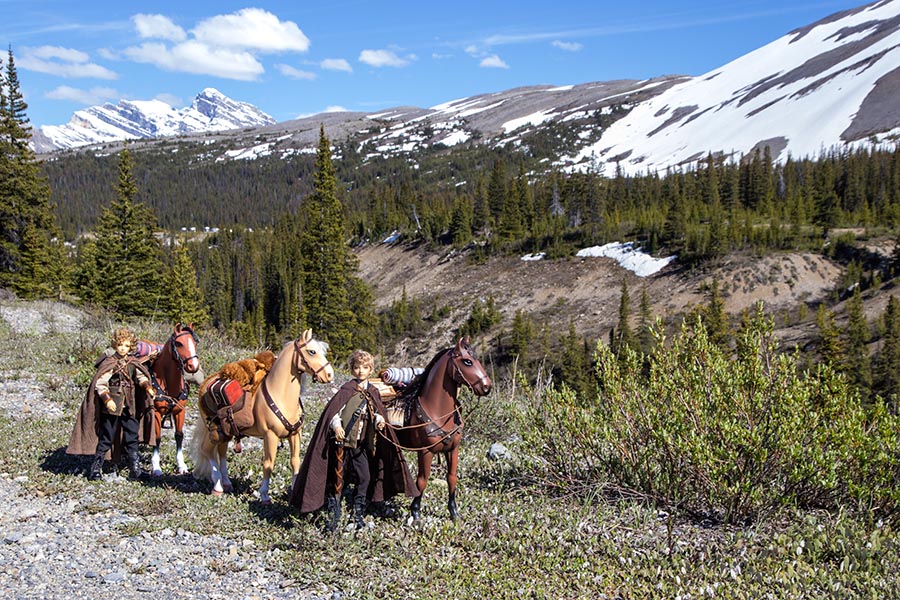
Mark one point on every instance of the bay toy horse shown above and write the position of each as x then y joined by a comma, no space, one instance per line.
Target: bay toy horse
433,421
273,412
172,365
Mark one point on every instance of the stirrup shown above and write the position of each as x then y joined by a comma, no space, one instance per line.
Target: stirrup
166,422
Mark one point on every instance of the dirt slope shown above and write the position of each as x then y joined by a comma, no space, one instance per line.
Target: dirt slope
585,291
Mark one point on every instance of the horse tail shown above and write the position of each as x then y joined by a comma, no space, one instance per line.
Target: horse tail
202,470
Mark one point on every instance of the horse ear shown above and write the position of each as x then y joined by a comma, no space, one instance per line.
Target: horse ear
307,335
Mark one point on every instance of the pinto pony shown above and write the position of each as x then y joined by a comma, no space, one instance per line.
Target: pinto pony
433,421
170,366
273,412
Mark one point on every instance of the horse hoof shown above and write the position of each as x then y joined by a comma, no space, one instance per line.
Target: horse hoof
157,473
216,493
228,488
265,501
183,471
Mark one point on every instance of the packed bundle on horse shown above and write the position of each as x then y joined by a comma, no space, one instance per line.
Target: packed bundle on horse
390,383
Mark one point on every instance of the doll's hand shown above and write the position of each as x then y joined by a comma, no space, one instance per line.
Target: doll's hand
151,393
379,425
339,433
111,405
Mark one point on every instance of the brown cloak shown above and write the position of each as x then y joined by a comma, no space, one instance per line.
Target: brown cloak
390,475
84,438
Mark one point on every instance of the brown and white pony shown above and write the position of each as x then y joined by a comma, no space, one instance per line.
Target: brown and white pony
175,362
277,413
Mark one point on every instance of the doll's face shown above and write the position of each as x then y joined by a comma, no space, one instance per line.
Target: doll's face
122,348
361,371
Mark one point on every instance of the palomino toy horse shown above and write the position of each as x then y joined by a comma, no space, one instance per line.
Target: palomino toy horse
275,410
433,422
174,359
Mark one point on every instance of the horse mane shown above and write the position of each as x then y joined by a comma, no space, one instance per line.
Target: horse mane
190,330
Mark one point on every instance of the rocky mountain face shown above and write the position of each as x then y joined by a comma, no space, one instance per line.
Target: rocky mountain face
832,84
147,119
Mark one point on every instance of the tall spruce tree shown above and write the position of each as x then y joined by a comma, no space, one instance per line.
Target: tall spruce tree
33,260
126,271
183,301
857,334
888,363
337,304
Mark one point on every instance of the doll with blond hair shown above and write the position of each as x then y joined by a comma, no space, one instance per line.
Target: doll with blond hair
346,445
109,416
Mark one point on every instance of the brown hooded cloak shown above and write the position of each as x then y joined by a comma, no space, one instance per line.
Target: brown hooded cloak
390,475
84,437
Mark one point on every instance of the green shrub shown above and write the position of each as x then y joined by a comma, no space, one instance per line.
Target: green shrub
722,436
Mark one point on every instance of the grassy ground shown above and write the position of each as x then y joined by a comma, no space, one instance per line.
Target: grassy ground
516,539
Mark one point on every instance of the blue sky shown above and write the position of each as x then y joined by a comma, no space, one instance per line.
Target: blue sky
300,57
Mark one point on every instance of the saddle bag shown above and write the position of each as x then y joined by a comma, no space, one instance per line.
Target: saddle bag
224,398
225,392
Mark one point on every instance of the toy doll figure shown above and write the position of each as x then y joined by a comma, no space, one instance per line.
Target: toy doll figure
109,416
344,444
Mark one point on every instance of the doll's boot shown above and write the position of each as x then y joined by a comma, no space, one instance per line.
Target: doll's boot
359,511
96,470
134,466
332,513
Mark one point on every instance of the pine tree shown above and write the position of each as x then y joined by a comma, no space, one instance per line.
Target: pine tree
129,263
714,316
337,304
521,336
831,347
623,337
33,260
888,363
857,337
184,301
645,326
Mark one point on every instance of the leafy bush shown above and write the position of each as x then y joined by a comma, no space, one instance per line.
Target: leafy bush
719,436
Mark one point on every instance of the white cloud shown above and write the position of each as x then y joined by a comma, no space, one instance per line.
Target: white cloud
66,54
195,57
336,64
473,50
438,56
295,73
62,62
382,58
335,108
252,28
90,97
493,62
567,46
158,26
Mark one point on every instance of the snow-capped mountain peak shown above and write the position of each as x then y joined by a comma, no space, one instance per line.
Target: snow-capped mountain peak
137,119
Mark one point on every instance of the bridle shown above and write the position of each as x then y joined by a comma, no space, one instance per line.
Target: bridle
300,359
174,342
459,376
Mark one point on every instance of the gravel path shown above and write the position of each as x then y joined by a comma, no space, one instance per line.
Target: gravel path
53,547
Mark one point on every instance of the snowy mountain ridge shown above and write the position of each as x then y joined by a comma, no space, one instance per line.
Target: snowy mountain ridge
142,119
831,84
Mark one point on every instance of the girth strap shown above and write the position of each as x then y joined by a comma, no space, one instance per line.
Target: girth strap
292,428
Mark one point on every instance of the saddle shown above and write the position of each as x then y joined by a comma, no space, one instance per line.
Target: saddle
227,401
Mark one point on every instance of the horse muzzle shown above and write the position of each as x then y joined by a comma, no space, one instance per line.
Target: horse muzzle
483,386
